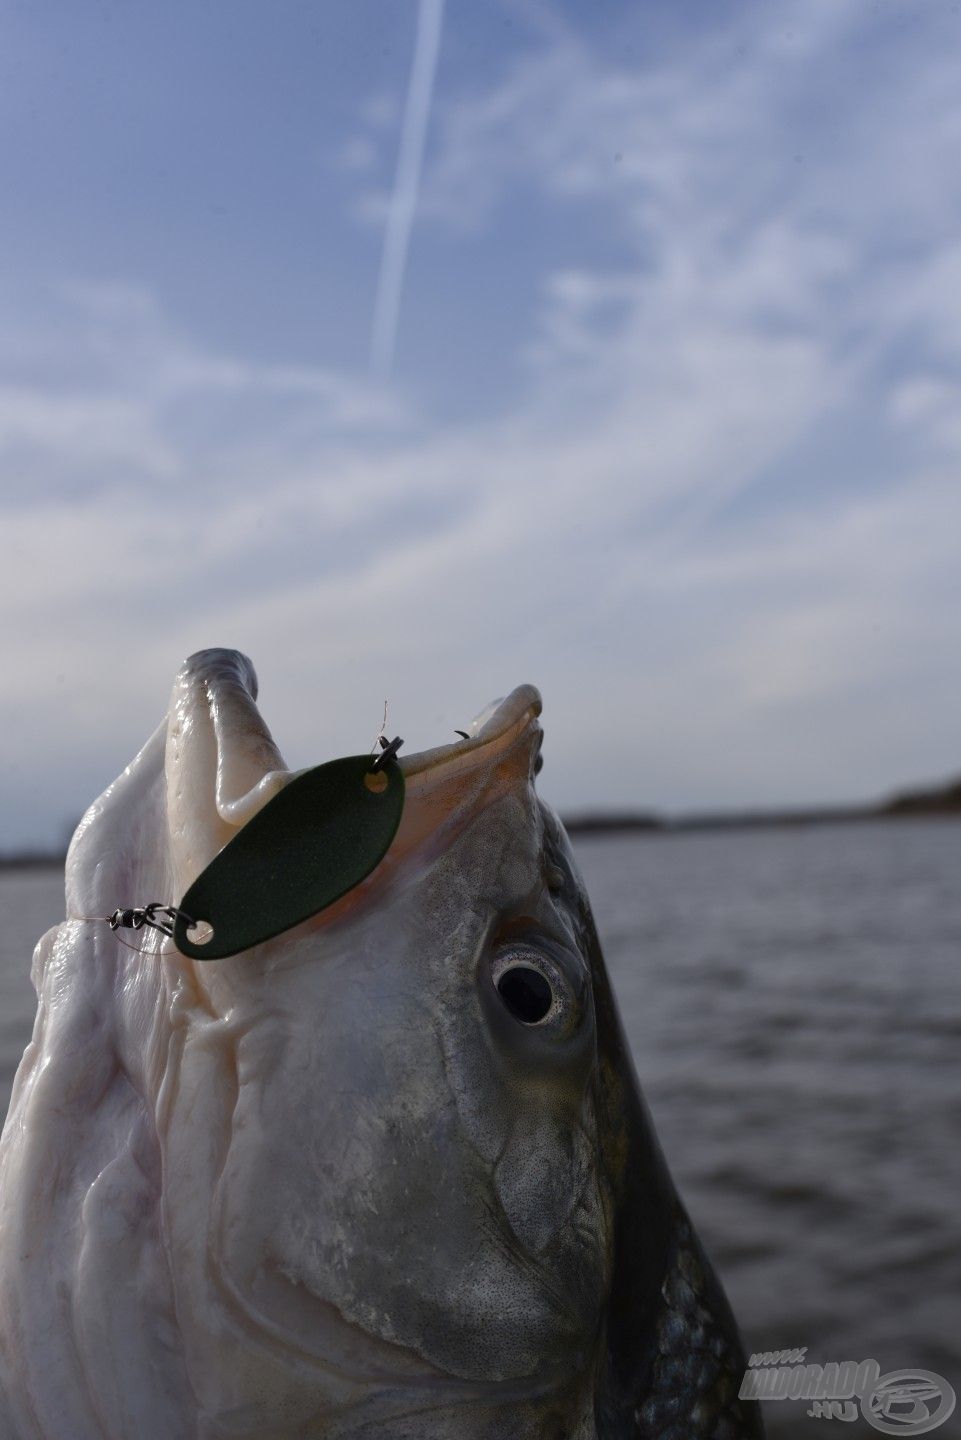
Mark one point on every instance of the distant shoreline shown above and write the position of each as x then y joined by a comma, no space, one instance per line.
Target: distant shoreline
32,860
941,802
750,820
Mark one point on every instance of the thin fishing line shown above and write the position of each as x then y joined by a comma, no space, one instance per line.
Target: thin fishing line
137,949
380,732
155,916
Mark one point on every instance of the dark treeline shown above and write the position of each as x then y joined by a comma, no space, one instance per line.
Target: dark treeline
943,800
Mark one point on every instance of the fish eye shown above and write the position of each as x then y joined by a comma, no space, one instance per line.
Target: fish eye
534,990
526,993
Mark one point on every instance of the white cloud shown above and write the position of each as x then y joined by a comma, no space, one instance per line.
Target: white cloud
583,538
76,429
121,375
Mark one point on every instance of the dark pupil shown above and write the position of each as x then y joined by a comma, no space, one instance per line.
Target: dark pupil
526,993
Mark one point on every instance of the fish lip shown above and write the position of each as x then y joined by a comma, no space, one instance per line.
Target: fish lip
383,1366
514,715
445,788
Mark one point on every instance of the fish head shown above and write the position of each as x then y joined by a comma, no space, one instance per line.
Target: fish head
393,1162
402,1088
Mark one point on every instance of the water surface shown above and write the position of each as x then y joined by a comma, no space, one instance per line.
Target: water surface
794,1005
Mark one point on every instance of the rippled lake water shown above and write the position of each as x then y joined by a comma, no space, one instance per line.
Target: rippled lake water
793,998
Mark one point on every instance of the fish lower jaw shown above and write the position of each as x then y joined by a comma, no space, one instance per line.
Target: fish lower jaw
349,1382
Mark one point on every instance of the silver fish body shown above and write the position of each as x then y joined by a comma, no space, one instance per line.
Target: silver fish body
388,1175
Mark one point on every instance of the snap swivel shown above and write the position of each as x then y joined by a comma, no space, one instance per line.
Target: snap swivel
388,752
156,916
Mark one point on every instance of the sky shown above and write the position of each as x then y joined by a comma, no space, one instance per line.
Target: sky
670,428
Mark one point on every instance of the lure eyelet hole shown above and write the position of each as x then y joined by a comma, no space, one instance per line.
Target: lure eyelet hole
201,932
376,781
526,993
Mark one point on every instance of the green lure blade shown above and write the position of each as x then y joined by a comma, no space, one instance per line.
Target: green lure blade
315,840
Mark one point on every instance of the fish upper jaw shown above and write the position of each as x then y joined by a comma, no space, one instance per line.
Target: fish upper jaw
222,765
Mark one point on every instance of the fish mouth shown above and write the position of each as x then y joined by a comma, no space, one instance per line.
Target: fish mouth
217,766
222,767
494,733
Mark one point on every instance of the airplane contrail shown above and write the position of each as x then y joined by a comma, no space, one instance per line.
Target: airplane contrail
400,217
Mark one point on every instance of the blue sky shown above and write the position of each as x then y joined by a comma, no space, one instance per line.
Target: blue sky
672,429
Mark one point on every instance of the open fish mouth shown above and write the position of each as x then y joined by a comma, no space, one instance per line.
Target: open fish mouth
223,767
495,731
